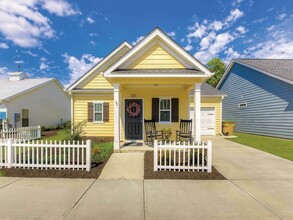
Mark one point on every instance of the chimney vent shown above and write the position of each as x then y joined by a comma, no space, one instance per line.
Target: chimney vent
17,76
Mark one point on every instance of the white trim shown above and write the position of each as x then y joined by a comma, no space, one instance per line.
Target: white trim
99,64
165,122
197,112
110,91
124,115
116,117
154,75
158,33
221,115
94,111
251,67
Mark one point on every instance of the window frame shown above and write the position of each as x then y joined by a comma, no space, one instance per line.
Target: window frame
28,117
94,112
165,98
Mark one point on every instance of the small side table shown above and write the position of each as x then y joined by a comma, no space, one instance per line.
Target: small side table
167,136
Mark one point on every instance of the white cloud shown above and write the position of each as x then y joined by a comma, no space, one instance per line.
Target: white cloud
30,53
137,40
206,41
241,29
236,3
216,25
22,23
171,34
93,34
3,73
197,31
4,46
93,43
230,54
260,20
19,61
59,7
44,67
78,67
270,28
234,15
90,20
188,47
281,16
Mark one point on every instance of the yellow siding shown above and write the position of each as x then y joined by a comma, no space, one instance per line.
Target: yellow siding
99,82
148,94
156,58
214,102
80,104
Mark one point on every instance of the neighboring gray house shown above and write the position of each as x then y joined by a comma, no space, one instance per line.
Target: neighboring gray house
29,102
260,96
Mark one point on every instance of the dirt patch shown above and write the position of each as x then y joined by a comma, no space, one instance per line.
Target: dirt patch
49,133
98,139
149,172
95,172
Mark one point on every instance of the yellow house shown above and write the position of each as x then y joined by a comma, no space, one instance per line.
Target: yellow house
158,79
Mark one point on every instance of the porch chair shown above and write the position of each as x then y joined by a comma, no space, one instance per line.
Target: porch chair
151,132
185,132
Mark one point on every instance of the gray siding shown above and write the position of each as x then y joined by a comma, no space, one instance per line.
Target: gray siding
269,101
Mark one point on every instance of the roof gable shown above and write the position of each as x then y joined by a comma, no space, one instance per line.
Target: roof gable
100,66
281,69
158,37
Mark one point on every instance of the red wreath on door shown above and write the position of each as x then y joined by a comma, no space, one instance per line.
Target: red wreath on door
133,109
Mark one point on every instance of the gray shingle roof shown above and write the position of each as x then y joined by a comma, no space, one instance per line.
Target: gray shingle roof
10,88
208,90
279,67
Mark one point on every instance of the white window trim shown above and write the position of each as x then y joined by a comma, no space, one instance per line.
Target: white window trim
94,111
165,122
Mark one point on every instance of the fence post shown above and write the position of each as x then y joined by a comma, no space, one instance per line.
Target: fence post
39,132
9,153
155,155
88,155
209,163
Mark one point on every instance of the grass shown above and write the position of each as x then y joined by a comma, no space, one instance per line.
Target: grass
277,146
100,151
1,173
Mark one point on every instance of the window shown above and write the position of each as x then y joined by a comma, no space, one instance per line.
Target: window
25,117
242,105
98,112
165,110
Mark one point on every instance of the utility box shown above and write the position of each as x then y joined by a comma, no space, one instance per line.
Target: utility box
228,128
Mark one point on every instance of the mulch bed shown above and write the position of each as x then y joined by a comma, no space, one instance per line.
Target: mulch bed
95,172
149,172
49,133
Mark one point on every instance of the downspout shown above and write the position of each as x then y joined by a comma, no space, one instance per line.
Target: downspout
71,112
221,118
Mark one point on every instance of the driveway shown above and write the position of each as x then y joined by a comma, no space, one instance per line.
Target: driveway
259,186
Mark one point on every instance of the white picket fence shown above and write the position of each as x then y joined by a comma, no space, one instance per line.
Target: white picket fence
25,133
183,157
45,154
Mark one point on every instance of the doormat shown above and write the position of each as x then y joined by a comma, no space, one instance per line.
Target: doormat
132,144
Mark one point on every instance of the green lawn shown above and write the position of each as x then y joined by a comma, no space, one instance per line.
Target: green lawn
277,146
100,151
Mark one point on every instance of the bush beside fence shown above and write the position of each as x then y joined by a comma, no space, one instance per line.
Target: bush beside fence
45,154
183,156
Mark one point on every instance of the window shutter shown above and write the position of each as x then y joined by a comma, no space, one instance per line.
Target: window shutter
90,112
106,112
175,109
155,109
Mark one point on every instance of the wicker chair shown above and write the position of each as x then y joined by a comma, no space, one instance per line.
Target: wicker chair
185,132
151,132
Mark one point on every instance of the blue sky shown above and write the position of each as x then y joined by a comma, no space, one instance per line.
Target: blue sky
62,39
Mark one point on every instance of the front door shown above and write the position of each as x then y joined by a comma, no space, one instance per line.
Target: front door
133,119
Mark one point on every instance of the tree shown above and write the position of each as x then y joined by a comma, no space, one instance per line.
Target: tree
216,66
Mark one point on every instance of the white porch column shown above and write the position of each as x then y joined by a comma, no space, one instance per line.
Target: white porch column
197,105
116,117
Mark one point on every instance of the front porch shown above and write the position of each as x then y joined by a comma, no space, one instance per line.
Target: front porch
167,103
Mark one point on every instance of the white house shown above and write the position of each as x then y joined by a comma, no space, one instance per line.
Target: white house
29,102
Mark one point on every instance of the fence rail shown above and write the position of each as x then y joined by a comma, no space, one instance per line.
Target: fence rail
25,133
183,157
45,154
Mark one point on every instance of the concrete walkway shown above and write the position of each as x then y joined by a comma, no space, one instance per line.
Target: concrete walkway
259,186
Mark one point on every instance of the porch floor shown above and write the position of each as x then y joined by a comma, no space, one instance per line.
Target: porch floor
133,147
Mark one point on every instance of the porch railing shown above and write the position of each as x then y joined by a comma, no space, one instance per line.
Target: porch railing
183,156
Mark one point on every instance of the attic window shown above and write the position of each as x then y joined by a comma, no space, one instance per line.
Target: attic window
242,105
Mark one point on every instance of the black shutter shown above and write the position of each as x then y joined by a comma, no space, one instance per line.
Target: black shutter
90,111
155,109
106,112
175,109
